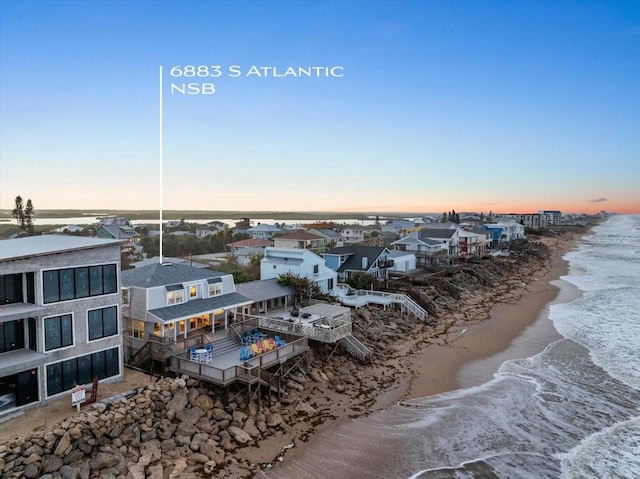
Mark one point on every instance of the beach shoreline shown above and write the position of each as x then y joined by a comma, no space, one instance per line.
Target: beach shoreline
454,352
468,354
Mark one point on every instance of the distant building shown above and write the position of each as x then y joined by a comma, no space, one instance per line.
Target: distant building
263,231
554,216
534,221
60,310
245,250
351,235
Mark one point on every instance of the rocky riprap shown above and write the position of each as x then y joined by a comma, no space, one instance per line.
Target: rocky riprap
176,427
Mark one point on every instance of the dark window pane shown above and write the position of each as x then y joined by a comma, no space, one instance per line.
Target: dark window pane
69,374
113,362
52,333
84,370
110,280
66,326
82,282
67,284
95,324
54,379
110,321
50,286
31,288
99,368
95,280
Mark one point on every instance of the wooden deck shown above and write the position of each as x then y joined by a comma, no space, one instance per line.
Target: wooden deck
228,368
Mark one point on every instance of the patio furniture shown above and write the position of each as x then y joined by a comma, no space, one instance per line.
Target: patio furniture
193,355
266,345
244,355
272,343
279,342
255,349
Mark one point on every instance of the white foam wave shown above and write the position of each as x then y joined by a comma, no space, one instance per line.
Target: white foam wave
613,452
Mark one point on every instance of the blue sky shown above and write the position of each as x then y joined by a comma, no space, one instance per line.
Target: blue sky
503,106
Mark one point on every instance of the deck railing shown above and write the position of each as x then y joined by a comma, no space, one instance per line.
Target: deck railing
245,372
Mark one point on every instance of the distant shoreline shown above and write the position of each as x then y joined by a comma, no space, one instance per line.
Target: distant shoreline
5,215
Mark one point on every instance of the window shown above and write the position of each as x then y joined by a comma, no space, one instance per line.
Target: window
74,283
175,297
215,289
316,268
11,335
10,288
64,375
193,291
137,329
58,332
102,323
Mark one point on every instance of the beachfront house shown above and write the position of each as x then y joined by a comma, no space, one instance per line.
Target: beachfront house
428,252
347,260
504,232
59,317
448,237
166,302
472,243
300,262
403,261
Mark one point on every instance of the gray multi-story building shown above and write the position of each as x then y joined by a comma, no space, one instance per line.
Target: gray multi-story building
60,309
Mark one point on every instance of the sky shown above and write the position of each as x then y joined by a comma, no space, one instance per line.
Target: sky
503,106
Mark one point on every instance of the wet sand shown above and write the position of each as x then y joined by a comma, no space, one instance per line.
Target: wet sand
469,355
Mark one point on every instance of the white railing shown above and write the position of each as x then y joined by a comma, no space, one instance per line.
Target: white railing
324,330
398,298
355,347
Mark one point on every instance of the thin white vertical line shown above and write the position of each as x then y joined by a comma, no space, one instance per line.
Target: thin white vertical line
160,164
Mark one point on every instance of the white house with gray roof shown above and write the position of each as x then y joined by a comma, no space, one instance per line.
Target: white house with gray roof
427,251
301,262
263,231
172,301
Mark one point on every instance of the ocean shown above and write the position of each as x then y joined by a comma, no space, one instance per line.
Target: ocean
571,411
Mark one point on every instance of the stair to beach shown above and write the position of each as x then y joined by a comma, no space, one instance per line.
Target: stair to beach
355,347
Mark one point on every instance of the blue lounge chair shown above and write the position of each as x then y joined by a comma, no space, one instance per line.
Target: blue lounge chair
243,355
279,342
192,354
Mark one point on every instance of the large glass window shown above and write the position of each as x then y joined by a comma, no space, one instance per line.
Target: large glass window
11,335
50,286
82,282
102,322
215,289
64,375
58,332
10,288
67,284
73,283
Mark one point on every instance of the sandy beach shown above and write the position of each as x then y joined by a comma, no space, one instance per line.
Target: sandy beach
463,348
